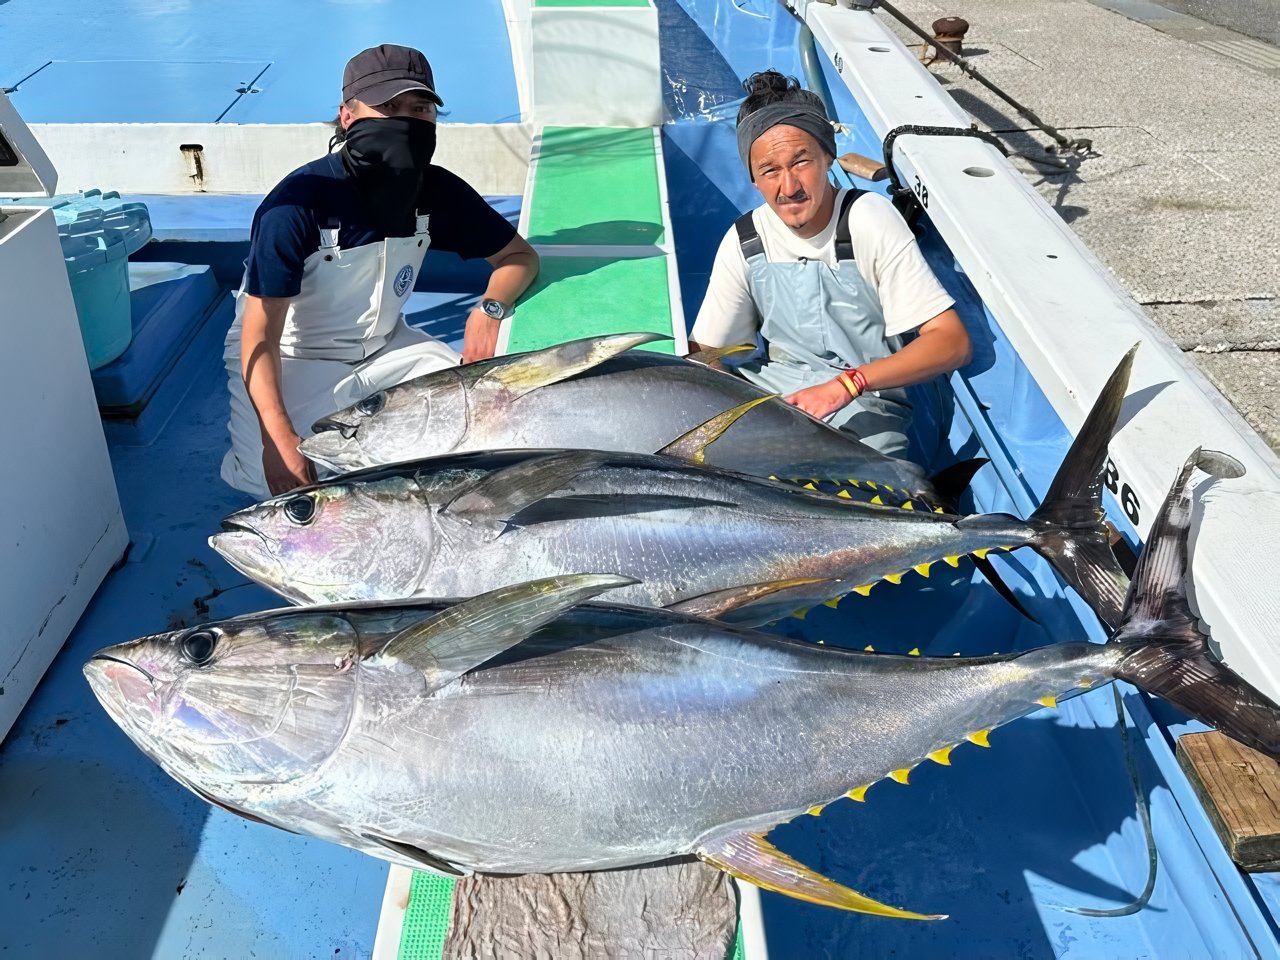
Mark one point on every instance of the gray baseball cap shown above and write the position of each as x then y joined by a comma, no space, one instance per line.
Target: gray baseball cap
380,73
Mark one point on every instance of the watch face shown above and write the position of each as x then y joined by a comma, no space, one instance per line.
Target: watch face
493,308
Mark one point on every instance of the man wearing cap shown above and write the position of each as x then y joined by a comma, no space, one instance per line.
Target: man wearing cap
334,253
830,279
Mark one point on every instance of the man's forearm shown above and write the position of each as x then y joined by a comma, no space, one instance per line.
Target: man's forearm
260,366
512,277
937,350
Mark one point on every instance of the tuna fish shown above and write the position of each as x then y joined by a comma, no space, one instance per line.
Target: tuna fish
524,731
713,541
589,394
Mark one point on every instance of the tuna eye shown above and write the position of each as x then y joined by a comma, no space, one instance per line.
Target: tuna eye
371,405
197,648
300,510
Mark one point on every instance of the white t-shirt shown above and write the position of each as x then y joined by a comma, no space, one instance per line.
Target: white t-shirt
884,249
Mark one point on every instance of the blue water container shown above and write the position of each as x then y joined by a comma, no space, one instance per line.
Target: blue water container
98,232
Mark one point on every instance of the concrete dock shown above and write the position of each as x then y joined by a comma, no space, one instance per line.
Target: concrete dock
1180,196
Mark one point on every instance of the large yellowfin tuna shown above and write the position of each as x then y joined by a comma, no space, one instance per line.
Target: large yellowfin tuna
716,542
592,394
525,732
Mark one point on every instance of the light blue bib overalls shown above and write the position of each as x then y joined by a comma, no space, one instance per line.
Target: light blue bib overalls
817,321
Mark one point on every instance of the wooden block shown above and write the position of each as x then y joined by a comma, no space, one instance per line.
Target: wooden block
863,167
1240,790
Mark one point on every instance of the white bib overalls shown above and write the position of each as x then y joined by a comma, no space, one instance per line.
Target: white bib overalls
344,338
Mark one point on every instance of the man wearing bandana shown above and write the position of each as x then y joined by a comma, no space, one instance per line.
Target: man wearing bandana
334,254
832,280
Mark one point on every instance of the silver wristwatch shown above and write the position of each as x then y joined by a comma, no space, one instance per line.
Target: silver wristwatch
495,309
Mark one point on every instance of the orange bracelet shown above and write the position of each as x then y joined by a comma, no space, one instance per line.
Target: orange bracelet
854,382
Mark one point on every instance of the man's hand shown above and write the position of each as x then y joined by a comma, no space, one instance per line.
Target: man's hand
821,401
480,339
284,467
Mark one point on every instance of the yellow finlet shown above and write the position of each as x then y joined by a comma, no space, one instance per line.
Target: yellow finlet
1086,684
872,485
887,487
860,794
845,493
814,811
854,483
952,561
909,505
900,775
942,756
894,578
869,648
811,486
1048,701
922,568
913,652
772,477
981,554
876,499
864,589
980,738
938,510
800,614
832,603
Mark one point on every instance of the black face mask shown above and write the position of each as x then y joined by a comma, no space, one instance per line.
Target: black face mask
388,157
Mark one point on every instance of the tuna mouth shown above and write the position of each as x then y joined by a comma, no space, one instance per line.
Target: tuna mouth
348,431
129,693
246,550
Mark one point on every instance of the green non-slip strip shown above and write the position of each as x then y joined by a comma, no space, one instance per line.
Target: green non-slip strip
589,296
596,186
426,919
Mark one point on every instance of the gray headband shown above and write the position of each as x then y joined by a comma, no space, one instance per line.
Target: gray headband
810,118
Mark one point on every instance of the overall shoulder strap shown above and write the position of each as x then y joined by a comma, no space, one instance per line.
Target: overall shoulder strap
844,242
748,237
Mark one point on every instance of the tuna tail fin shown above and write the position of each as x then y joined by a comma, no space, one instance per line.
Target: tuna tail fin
1070,532
1169,654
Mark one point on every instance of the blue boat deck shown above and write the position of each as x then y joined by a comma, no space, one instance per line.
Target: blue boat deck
104,856
241,61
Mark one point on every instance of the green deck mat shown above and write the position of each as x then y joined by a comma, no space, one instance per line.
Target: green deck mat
596,185
426,919
590,296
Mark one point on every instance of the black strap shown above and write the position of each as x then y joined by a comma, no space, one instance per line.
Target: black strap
844,242
748,237
752,246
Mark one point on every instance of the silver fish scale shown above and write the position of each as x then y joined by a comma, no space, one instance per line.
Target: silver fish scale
651,722
748,532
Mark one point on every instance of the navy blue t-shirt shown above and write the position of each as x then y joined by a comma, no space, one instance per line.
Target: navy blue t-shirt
286,227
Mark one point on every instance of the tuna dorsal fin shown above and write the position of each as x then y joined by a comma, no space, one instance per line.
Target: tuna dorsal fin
416,855
526,372
461,638
719,604
495,498
750,857
707,355
693,445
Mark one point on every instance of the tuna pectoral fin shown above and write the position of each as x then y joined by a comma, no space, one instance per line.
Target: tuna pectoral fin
750,857
491,501
527,372
693,445
755,603
415,855
1070,532
709,355
458,639
1169,655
